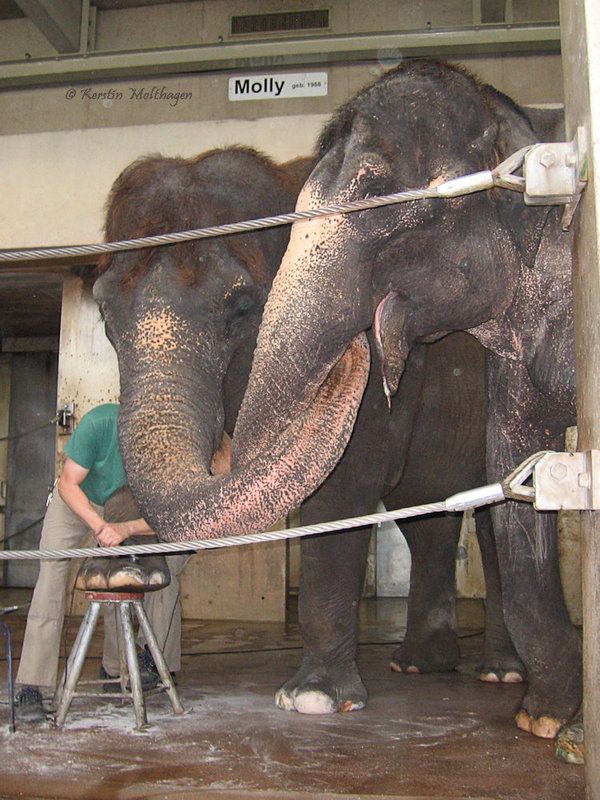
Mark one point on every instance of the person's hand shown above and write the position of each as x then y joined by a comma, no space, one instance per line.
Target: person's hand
111,534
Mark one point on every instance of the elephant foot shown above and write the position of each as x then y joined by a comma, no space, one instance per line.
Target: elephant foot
317,689
545,727
499,669
500,662
498,675
544,713
148,574
570,742
436,652
92,575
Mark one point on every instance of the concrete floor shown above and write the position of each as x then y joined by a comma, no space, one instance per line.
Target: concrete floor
435,736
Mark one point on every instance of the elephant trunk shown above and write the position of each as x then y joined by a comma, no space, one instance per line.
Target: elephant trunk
314,310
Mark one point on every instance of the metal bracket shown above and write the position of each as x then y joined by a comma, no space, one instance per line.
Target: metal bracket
66,415
567,481
556,174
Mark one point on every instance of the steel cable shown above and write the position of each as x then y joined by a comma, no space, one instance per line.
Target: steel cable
473,498
454,187
30,430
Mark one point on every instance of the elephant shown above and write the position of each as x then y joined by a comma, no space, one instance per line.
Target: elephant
223,302
394,277
422,449
210,297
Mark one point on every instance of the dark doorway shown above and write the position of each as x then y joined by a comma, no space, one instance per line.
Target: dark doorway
31,453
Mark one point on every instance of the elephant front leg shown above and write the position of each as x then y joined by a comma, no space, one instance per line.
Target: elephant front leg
537,619
522,421
333,569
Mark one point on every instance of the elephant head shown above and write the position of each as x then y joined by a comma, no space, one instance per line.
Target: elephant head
410,272
183,320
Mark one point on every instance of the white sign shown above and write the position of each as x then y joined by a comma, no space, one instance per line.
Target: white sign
268,87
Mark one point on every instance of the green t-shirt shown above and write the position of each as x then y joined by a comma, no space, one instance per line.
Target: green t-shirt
94,445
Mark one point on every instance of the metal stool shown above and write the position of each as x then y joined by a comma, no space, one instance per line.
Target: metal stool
126,603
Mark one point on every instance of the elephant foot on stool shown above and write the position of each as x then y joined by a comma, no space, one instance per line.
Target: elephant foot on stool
124,574
320,689
92,575
436,652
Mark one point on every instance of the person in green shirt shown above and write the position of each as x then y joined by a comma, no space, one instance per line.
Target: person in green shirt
92,472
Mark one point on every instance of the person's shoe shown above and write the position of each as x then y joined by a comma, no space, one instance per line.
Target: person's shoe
148,672
29,706
109,688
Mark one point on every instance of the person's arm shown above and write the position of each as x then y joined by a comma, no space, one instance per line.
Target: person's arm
69,488
108,534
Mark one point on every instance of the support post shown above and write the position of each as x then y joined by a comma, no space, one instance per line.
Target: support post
580,35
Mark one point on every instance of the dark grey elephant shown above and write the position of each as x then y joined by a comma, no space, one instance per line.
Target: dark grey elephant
428,445
485,263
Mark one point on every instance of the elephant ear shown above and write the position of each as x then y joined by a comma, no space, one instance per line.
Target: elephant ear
514,129
390,340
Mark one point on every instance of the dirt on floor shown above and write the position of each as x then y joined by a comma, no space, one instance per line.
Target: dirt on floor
421,736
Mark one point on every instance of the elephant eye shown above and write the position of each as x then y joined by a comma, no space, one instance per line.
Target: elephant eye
237,306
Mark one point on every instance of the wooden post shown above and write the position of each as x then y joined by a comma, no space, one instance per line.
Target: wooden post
580,34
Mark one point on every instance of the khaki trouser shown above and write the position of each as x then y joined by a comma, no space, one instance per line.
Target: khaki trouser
38,665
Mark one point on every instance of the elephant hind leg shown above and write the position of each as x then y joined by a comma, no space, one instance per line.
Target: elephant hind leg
431,643
500,662
434,651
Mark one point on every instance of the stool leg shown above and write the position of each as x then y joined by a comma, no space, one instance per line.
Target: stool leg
159,659
123,669
68,682
132,664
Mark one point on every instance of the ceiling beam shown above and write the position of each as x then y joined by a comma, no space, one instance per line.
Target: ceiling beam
280,53
58,20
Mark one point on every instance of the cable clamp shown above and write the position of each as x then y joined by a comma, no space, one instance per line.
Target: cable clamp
567,481
474,498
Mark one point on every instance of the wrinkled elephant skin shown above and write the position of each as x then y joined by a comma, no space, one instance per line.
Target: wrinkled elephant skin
183,320
148,299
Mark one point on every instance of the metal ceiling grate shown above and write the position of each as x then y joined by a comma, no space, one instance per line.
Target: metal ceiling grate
280,22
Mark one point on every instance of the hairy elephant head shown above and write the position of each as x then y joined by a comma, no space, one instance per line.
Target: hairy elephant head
183,320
